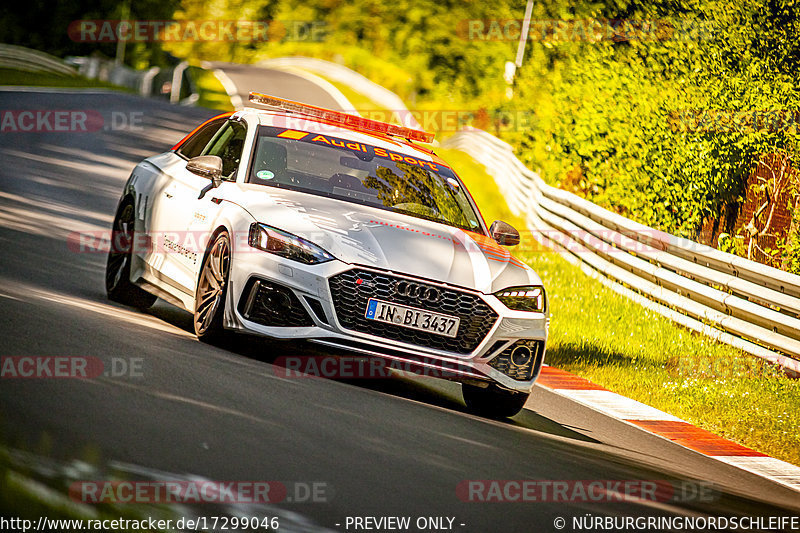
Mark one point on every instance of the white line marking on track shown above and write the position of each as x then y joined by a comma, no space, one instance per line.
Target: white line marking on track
769,467
616,405
230,88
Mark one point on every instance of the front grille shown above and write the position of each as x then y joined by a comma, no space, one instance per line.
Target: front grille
520,361
350,301
270,304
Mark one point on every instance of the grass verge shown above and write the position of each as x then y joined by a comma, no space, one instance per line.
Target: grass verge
612,341
361,103
44,79
212,93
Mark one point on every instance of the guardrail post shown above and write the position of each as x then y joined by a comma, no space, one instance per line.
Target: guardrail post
146,88
177,81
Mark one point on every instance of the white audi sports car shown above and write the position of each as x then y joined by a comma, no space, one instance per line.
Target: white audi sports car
299,222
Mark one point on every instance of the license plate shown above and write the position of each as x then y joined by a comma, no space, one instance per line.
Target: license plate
412,318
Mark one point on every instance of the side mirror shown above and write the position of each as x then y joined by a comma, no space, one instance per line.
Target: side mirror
504,233
206,166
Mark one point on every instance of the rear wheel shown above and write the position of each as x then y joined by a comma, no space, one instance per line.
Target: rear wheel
118,267
209,304
492,401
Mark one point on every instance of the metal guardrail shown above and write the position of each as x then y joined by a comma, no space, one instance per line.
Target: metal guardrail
28,60
166,83
743,303
145,82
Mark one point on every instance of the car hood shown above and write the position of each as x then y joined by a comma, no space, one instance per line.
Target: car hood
386,240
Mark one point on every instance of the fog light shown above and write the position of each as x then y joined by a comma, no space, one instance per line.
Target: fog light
521,355
521,361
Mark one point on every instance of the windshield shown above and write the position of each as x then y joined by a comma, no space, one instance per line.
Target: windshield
361,173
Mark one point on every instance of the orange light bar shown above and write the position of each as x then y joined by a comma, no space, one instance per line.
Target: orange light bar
340,117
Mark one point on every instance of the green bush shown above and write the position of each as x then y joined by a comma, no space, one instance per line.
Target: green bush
660,129
662,121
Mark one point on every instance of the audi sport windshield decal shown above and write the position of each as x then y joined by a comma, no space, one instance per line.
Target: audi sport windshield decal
367,149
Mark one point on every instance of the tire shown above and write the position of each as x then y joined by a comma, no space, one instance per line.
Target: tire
492,401
212,287
118,265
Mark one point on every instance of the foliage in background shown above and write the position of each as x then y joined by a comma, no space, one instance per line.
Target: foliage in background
212,93
652,127
42,79
43,25
667,129
663,123
417,48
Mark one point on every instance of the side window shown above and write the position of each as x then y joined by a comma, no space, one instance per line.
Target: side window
228,145
194,145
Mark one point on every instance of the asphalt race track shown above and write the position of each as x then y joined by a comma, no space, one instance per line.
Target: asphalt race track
381,447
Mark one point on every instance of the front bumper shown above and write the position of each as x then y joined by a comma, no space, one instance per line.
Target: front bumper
279,298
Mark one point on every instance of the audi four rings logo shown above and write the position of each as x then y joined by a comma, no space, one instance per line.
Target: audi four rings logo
417,292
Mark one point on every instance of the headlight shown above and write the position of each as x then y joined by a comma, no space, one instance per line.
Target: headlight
286,245
523,298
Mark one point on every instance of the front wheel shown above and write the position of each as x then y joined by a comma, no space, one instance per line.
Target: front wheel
492,401
209,303
118,266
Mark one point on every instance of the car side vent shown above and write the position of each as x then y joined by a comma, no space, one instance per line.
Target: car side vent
496,346
316,306
270,304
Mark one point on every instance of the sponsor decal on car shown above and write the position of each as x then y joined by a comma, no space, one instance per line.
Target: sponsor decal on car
357,147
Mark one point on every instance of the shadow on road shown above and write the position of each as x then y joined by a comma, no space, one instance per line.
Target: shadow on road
423,389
